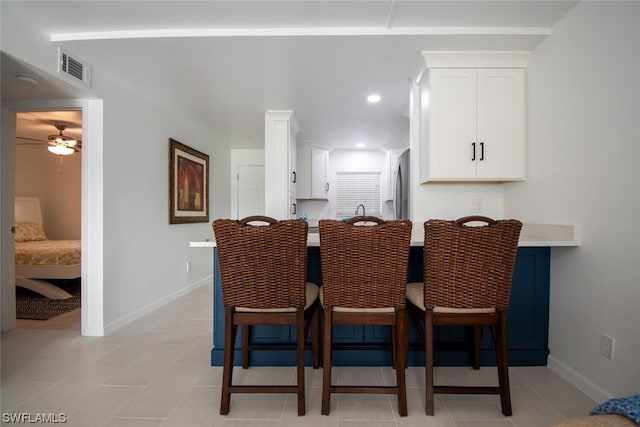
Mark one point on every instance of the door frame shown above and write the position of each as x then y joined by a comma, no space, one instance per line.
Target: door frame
92,269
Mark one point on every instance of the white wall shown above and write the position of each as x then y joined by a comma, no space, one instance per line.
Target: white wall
145,257
583,149
41,174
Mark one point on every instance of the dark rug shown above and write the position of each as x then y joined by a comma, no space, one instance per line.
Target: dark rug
33,306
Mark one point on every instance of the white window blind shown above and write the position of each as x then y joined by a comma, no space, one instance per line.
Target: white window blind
355,188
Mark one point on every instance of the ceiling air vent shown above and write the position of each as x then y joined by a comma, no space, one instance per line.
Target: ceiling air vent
73,67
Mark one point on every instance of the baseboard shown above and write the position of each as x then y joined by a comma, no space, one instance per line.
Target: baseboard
579,381
125,320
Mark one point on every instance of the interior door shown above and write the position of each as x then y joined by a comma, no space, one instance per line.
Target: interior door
250,190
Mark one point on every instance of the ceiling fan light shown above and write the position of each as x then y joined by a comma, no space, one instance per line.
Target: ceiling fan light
61,150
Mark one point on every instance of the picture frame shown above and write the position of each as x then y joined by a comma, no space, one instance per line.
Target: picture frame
188,184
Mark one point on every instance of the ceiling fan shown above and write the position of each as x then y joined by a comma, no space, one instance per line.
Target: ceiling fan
59,144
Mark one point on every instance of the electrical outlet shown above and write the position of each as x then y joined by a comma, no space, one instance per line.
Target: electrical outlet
606,346
477,205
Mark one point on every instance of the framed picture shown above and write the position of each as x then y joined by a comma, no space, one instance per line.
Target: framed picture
188,184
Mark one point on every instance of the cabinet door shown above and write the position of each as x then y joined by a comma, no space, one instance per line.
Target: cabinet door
292,161
500,126
279,163
452,133
319,173
312,173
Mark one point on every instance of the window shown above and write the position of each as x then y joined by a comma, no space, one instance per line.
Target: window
355,188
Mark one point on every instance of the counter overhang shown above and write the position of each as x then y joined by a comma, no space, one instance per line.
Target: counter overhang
532,235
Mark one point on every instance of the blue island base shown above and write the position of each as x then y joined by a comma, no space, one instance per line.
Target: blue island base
527,329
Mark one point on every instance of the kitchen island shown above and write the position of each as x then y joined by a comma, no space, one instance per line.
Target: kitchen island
528,314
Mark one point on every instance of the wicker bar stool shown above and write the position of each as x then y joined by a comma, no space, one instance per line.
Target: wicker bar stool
263,273
364,272
467,281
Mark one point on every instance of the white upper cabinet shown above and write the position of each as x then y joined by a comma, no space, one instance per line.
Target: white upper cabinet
281,128
473,124
312,173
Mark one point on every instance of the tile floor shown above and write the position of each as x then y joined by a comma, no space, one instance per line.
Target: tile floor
155,372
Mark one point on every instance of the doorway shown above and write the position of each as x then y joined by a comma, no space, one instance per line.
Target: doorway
92,313
55,181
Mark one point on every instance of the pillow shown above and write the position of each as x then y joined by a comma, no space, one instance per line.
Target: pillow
28,232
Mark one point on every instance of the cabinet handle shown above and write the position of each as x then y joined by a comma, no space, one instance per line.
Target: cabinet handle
473,151
326,187
482,151
295,209
295,178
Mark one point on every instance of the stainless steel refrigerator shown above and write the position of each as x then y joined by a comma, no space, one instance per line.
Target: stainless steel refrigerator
402,190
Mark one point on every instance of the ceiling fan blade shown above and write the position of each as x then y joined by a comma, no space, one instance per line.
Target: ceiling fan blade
31,139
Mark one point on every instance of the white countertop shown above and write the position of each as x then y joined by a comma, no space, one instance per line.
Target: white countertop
549,235
541,235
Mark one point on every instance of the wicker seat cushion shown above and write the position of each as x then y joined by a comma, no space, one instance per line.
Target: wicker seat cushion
311,292
359,310
415,295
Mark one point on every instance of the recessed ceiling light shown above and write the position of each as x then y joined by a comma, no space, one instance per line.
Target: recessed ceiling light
373,98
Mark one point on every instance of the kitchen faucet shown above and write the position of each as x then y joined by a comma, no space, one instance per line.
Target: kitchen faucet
364,212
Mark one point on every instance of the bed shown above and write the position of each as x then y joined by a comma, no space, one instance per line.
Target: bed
38,258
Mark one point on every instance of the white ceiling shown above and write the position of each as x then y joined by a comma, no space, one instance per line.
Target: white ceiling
318,58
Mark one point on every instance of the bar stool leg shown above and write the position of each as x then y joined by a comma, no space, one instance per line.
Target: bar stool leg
428,342
227,370
300,360
502,362
245,332
401,356
326,364
477,338
315,338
